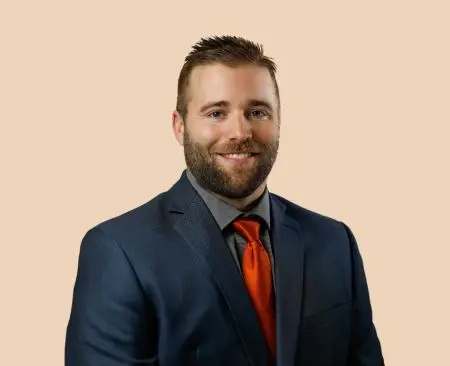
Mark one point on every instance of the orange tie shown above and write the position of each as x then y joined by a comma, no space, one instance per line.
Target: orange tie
258,279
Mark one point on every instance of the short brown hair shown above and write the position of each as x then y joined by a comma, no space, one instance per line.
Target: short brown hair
228,50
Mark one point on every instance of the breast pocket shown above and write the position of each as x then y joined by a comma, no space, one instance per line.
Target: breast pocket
334,319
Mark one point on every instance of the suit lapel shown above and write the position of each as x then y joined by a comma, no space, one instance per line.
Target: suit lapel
199,229
289,256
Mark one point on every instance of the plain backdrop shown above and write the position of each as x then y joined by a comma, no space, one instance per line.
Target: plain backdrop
86,94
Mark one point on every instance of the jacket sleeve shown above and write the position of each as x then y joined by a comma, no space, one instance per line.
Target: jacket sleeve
365,348
110,322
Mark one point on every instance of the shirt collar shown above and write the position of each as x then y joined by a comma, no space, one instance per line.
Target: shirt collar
224,213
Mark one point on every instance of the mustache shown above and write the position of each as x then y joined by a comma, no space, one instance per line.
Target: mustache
246,147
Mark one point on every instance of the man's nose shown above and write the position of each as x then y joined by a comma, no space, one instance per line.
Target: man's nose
239,128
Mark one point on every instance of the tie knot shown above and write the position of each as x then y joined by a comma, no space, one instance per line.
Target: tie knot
248,228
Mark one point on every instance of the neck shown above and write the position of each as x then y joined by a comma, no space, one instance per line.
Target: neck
243,204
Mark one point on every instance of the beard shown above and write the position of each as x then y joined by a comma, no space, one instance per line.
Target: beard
243,181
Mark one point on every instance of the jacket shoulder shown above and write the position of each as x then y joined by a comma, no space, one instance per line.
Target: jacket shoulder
143,218
307,217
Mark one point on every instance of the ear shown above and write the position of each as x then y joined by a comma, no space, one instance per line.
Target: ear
178,127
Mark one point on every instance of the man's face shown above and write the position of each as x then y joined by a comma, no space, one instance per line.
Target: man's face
231,132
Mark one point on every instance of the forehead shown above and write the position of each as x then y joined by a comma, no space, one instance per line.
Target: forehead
235,84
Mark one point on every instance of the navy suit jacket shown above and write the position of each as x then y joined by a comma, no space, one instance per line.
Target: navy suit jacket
157,285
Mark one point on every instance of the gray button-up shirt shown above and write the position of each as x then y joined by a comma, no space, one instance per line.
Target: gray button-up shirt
225,214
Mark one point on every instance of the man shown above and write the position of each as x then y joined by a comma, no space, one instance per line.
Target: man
218,270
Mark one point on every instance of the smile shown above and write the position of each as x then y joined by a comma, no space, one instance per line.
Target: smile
238,159
238,156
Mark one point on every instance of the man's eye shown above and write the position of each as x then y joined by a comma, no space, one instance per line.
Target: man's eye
258,114
216,114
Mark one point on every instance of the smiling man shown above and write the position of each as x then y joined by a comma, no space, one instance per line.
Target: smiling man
218,270
231,133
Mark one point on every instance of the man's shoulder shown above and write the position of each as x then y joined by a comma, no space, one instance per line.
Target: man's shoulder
137,220
307,217
319,228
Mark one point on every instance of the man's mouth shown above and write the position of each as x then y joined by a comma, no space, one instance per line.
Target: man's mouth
238,155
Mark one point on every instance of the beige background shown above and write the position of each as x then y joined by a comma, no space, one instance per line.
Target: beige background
86,93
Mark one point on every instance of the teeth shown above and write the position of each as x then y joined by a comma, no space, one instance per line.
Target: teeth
237,156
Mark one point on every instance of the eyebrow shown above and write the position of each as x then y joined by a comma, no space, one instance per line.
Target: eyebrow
225,104
260,103
220,103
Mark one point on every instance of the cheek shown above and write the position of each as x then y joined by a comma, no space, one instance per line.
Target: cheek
266,133
208,135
